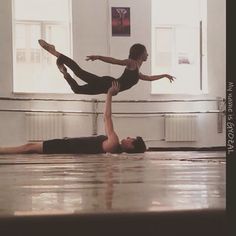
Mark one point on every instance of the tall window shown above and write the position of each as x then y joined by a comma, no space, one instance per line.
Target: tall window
35,70
179,46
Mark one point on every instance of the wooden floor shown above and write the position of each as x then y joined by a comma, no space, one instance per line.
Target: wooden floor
165,186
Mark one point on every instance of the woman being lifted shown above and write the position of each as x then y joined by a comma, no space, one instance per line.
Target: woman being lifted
100,84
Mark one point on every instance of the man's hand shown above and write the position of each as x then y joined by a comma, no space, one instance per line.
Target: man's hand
114,89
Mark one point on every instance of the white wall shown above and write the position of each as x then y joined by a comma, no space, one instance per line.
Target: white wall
91,35
216,47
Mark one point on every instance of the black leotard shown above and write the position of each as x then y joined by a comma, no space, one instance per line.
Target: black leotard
96,84
128,79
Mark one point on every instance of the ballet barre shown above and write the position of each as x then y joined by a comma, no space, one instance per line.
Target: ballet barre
114,113
219,99
220,111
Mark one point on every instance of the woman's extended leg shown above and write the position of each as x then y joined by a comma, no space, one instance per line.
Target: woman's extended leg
78,71
23,149
97,87
89,89
62,59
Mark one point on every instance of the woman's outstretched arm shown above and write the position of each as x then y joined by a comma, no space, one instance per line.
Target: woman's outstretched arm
156,77
111,60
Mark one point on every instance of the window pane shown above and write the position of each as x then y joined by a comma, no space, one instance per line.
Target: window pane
188,59
35,34
58,35
176,45
35,70
164,48
42,10
177,53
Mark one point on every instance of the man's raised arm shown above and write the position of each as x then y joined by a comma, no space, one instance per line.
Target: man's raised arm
113,141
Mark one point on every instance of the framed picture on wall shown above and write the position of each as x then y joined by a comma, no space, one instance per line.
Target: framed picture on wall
120,20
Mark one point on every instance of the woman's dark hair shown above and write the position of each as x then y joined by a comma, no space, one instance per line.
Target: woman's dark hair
136,51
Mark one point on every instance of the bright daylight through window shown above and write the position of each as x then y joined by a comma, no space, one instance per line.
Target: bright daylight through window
179,46
35,70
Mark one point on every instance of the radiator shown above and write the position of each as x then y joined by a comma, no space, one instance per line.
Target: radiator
181,128
43,126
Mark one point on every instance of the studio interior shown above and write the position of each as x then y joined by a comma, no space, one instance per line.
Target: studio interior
112,117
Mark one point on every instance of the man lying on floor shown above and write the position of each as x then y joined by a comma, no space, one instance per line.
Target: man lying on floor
86,145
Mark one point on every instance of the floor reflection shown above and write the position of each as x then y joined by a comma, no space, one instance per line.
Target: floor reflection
154,181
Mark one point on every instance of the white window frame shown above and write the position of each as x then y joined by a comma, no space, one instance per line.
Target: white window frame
203,88
43,25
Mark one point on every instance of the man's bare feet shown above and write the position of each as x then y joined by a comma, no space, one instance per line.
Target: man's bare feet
48,47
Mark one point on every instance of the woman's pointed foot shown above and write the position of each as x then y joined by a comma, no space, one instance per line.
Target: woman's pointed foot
48,47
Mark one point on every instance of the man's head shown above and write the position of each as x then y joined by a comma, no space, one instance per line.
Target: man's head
133,145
